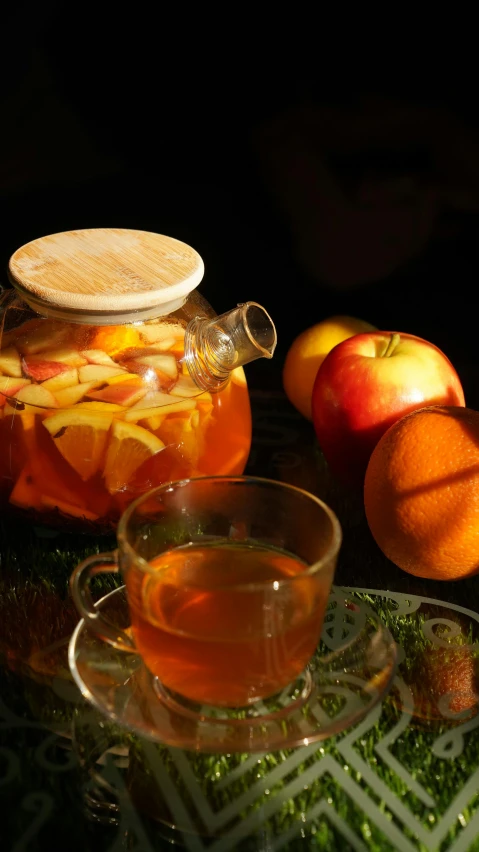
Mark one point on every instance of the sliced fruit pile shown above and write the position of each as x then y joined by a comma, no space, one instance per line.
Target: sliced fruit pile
107,398
52,365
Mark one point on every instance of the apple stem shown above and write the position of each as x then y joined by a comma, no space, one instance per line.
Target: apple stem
391,345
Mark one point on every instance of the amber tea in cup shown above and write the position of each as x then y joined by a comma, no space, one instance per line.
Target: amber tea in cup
227,581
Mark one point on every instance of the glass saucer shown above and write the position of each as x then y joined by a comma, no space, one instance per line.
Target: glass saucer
352,669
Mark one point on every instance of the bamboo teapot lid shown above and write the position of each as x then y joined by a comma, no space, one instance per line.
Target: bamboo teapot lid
100,273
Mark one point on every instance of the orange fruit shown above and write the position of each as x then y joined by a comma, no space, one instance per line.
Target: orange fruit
307,352
421,493
130,445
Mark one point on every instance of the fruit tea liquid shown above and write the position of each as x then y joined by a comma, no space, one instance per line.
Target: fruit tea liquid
208,631
95,416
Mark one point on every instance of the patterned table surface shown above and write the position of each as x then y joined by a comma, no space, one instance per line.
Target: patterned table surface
406,777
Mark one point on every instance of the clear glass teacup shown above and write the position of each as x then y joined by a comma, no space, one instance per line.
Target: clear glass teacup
227,581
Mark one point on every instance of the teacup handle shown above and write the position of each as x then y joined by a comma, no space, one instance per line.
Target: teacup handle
101,563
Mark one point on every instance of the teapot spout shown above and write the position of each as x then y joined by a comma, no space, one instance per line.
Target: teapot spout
214,347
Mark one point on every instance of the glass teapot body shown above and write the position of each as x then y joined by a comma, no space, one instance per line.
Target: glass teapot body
95,410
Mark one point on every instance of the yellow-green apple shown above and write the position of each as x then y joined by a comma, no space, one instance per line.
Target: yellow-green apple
98,372
9,385
63,380
74,393
155,399
97,356
165,334
185,386
365,384
159,362
35,397
308,351
10,362
69,356
138,412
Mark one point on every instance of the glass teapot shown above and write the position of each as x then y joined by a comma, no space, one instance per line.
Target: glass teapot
116,375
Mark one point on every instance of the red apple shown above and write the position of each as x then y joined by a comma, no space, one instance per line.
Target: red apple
365,384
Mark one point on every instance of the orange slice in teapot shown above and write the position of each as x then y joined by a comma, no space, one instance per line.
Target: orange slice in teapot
81,437
113,340
130,446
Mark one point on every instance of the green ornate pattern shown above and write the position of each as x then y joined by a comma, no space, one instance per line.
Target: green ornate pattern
393,782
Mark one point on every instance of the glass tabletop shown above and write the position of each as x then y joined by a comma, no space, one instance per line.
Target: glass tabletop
403,777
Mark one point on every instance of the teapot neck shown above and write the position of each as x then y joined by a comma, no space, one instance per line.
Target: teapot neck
215,347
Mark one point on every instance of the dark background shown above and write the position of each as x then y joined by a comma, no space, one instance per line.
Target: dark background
313,174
